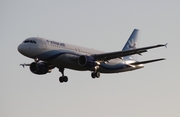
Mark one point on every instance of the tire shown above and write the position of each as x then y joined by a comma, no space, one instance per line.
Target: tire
97,74
61,79
65,78
93,75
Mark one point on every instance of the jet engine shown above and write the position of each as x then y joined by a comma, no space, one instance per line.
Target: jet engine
39,68
87,61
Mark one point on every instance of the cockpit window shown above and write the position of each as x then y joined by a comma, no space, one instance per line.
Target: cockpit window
27,41
30,41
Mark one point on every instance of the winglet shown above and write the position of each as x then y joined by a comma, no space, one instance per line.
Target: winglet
166,45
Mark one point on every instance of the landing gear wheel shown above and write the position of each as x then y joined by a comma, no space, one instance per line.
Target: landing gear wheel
63,79
95,74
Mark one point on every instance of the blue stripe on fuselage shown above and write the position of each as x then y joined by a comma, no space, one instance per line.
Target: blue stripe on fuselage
50,55
114,67
53,54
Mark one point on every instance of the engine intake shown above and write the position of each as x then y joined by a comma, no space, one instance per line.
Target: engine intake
87,61
39,68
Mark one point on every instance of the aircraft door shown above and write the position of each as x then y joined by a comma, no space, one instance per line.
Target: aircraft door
44,46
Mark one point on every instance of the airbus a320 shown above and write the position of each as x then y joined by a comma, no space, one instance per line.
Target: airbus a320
48,54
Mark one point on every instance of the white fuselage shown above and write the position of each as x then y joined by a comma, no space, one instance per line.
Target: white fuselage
66,55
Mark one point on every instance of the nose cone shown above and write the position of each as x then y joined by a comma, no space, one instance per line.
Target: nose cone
20,49
28,50
23,49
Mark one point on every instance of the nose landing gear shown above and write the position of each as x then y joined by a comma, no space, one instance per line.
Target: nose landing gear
62,78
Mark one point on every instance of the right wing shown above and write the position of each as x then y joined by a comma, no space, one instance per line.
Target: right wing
148,61
119,54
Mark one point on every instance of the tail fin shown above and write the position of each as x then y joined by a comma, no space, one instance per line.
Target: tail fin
132,42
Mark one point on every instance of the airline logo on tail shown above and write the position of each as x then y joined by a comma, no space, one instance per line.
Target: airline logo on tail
132,41
132,44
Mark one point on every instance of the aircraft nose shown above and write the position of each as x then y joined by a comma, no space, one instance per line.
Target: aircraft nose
21,48
27,50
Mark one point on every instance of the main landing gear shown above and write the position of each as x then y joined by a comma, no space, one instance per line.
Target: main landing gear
95,74
62,78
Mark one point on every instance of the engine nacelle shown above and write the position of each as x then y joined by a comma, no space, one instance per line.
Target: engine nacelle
87,61
39,68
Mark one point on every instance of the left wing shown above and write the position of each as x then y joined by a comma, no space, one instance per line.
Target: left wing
118,54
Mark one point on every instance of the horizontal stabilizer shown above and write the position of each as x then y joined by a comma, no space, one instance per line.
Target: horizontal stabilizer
149,61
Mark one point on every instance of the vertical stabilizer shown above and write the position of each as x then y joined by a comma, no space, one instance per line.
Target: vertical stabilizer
132,42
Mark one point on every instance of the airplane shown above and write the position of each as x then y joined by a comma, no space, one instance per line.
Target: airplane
48,54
